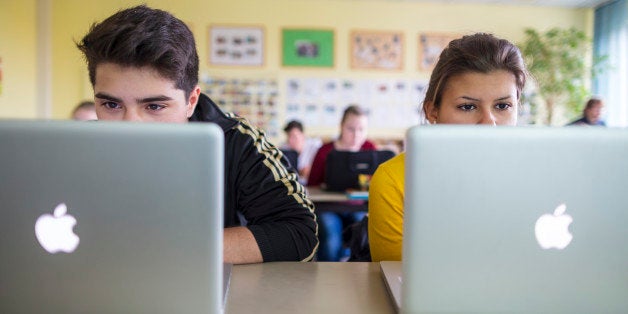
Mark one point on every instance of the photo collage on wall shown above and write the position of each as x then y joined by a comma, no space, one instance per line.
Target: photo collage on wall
320,102
253,99
239,46
376,50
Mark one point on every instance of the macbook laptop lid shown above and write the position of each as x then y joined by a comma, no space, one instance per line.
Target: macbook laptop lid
342,168
521,220
111,217
391,273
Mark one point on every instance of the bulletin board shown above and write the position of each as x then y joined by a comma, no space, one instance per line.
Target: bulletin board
236,45
320,102
430,47
376,50
307,47
253,99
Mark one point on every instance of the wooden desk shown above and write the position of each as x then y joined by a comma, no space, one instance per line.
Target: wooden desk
334,201
293,287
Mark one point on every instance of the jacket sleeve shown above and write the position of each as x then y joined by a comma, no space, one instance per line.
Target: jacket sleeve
269,197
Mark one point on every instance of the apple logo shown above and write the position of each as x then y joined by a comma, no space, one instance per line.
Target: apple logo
551,231
54,232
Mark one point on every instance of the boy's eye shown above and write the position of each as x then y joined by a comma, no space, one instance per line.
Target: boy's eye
155,107
111,105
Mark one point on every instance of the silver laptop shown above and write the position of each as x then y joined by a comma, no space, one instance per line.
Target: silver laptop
525,220
111,217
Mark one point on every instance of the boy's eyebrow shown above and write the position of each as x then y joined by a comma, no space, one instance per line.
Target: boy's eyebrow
107,97
154,99
141,100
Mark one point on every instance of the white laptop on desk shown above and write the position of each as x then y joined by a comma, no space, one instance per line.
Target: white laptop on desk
111,217
514,220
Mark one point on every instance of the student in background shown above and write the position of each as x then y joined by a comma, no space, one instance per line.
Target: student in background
85,111
478,79
304,146
592,114
353,132
143,66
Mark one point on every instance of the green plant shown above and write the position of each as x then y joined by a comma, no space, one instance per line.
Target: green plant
557,60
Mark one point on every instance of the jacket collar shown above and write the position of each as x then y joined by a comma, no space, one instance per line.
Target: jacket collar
207,111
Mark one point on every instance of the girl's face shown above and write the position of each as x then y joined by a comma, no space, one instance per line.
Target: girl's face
353,131
477,98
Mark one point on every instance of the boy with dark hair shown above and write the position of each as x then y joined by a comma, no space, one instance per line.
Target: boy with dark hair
143,66
305,148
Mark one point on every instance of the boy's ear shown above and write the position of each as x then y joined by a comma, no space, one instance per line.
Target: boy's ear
195,95
431,112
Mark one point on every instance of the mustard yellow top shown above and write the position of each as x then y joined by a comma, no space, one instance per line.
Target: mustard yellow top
386,210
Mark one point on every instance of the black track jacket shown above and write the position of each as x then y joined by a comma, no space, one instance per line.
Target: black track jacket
261,191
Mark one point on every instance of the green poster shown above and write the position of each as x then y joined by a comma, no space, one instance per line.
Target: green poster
307,47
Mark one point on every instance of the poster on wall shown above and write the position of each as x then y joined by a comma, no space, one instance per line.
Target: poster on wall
236,45
376,50
430,47
320,102
307,47
252,98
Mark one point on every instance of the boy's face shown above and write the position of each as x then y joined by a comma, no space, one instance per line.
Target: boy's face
140,94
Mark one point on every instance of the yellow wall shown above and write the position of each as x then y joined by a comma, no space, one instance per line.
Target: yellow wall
71,20
18,48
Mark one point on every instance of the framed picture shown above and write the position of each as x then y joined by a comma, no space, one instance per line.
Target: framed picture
430,47
376,50
307,47
236,45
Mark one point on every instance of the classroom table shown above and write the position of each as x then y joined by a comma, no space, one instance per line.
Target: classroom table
335,201
316,287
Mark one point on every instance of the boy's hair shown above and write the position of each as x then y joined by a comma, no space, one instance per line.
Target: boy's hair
144,37
479,52
294,124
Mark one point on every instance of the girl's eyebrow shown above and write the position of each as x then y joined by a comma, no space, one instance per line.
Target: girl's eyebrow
473,99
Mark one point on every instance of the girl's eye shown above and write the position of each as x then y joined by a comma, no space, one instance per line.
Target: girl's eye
467,107
503,106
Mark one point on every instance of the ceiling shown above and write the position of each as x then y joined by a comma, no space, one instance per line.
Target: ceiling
559,3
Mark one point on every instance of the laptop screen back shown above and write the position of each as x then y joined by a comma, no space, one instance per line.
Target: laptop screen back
147,209
342,168
474,239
